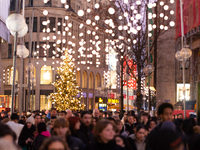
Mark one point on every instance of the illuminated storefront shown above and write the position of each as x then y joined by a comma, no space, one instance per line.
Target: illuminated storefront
180,95
101,103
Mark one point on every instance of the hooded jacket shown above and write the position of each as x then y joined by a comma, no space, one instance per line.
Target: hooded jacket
39,139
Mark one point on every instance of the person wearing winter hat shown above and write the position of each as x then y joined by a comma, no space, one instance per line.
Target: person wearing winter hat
167,139
26,136
30,120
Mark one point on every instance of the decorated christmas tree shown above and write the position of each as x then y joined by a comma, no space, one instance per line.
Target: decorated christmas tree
67,94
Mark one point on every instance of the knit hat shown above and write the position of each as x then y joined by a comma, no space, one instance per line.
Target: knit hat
168,125
31,120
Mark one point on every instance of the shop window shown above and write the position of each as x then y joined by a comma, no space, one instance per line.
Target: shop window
97,81
9,75
45,103
78,78
91,81
48,4
46,75
84,80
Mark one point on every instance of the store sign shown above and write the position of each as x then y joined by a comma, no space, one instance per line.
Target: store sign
84,95
111,100
100,99
132,97
112,95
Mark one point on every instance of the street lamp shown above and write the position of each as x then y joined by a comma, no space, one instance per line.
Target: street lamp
15,23
183,55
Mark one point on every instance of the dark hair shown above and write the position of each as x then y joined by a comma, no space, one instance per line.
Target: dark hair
101,111
111,119
37,115
5,130
118,121
145,114
140,126
126,142
162,107
63,112
50,140
85,112
148,123
14,116
53,109
101,125
41,127
53,117
187,127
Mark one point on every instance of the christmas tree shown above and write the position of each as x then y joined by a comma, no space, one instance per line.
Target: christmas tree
67,91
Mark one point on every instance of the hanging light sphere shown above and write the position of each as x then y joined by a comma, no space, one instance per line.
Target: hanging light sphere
63,1
88,21
138,16
80,13
161,3
97,6
172,23
138,2
22,32
45,12
111,10
15,22
125,1
166,7
97,17
22,51
179,56
186,53
150,5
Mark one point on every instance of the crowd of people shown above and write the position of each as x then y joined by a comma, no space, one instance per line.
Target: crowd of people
98,130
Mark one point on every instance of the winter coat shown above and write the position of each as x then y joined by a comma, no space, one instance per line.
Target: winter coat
16,127
102,146
129,127
86,135
75,143
25,134
39,139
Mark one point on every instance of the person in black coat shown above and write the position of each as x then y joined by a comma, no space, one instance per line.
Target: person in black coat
61,129
26,136
42,135
85,132
104,133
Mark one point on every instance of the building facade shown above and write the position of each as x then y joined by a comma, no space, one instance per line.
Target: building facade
48,37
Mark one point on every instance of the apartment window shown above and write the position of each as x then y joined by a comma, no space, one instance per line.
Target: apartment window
27,22
34,48
30,3
51,49
52,23
41,25
35,24
41,49
60,26
9,50
48,4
